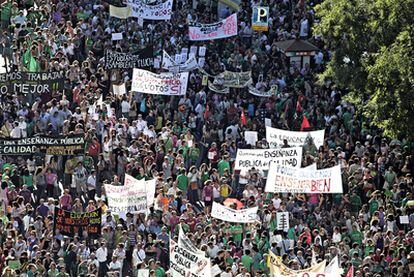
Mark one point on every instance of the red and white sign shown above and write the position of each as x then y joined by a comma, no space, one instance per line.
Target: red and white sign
301,180
222,29
164,84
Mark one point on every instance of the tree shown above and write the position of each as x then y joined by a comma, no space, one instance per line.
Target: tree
391,84
364,37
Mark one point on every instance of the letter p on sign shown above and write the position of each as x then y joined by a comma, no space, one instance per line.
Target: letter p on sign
260,18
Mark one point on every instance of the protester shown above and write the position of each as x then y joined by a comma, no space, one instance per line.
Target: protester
188,145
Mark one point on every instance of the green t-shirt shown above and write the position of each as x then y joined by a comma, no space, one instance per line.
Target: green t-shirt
194,153
373,206
247,262
237,228
356,203
223,165
160,272
28,180
356,236
182,182
6,11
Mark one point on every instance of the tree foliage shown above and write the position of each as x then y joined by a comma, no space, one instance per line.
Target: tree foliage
371,47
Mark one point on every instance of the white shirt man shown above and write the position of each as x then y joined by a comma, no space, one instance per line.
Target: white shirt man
138,256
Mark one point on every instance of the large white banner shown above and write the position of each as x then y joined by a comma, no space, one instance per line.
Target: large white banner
262,158
134,196
170,64
165,83
184,262
302,180
276,136
222,29
149,186
239,216
162,11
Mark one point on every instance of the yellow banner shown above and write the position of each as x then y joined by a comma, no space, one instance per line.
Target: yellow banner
278,269
119,12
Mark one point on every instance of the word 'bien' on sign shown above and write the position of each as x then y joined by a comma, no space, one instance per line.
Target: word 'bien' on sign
282,179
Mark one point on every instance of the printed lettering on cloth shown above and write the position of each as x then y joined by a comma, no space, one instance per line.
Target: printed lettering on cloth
142,59
222,29
233,79
148,185
262,158
259,93
170,64
120,12
131,197
184,262
162,11
277,268
163,84
31,82
60,146
218,88
276,136
72,223
302,180
239,216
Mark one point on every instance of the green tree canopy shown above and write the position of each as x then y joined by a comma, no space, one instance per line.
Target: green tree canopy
371,47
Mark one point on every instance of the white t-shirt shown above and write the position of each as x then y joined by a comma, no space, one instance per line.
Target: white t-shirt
125,107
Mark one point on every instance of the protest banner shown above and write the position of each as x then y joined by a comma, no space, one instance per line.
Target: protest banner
117,36
135,196
259,93
120,12
251,137
239,216
185,242
31,82
162,11
73,224
222,29
233,79
162,84
277,268
218,88
311,167
262,158
282,220
119,89
60,145
170,64
148,185
142,59
260,18
276,136
184,262
301,180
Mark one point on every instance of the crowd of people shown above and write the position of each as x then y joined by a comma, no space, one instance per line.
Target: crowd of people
189,145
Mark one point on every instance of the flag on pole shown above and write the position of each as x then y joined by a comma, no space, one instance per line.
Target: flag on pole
243,118
305,123
350,272
207,112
